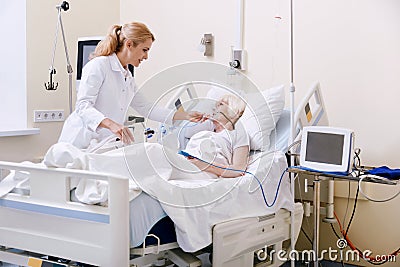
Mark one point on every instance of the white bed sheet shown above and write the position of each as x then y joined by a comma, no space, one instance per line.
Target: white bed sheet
146,211
194,201
243,199
194,225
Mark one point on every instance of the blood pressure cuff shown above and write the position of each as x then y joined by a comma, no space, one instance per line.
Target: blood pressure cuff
384,171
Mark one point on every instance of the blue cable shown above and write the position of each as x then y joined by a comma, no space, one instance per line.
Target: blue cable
184,153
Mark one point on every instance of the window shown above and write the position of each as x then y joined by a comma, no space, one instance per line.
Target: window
13,78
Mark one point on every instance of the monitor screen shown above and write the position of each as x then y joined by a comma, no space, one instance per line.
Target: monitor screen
326,149
86,46
85,49
330,142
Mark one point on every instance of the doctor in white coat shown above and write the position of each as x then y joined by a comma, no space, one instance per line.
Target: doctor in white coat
107,89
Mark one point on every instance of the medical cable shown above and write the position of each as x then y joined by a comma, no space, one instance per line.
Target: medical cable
356,166
338,237
353,212
230,169
226,117
369,259
244,172
348,201
357,172
334,231
359,169
292,145
370,198
357,162
102,143
306,235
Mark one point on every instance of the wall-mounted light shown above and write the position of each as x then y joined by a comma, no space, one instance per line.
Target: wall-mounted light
207,45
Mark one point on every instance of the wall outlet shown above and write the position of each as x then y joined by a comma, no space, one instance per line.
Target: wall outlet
48,115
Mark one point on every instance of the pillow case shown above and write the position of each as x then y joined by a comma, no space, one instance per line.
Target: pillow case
261,115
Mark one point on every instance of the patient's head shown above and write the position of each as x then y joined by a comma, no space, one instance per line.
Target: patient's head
229,109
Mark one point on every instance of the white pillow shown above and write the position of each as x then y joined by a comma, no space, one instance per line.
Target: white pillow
267,111
261,114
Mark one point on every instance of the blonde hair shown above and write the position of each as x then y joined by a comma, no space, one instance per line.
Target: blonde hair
135,31
236,106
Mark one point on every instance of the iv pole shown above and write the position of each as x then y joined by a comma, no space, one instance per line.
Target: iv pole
52,71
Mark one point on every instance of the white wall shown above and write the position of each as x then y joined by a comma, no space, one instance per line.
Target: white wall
82,19
12,78
351,47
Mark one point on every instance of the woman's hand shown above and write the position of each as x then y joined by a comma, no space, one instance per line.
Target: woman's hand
119,130
193,116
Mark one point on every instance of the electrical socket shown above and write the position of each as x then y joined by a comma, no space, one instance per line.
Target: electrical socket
48,115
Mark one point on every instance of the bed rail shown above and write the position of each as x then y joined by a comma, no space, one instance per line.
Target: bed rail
311,110
47,222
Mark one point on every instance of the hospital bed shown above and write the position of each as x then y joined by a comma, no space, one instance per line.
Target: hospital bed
45,224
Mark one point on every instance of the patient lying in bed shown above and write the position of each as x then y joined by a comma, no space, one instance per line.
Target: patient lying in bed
219,140
223,144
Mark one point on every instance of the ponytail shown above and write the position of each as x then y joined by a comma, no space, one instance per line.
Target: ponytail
114,41
111,42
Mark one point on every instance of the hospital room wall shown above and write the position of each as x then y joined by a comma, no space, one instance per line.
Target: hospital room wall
84,18
351,47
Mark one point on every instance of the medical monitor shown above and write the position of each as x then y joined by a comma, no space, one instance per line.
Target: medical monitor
86,46
326,149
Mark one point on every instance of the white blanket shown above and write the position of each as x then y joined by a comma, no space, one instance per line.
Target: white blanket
229,199
194,200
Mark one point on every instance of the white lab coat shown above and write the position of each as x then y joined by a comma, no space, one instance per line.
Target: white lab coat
106,90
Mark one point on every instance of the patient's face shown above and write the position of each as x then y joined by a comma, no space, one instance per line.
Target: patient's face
221,107
224,107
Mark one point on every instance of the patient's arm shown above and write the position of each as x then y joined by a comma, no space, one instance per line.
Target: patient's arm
239,162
